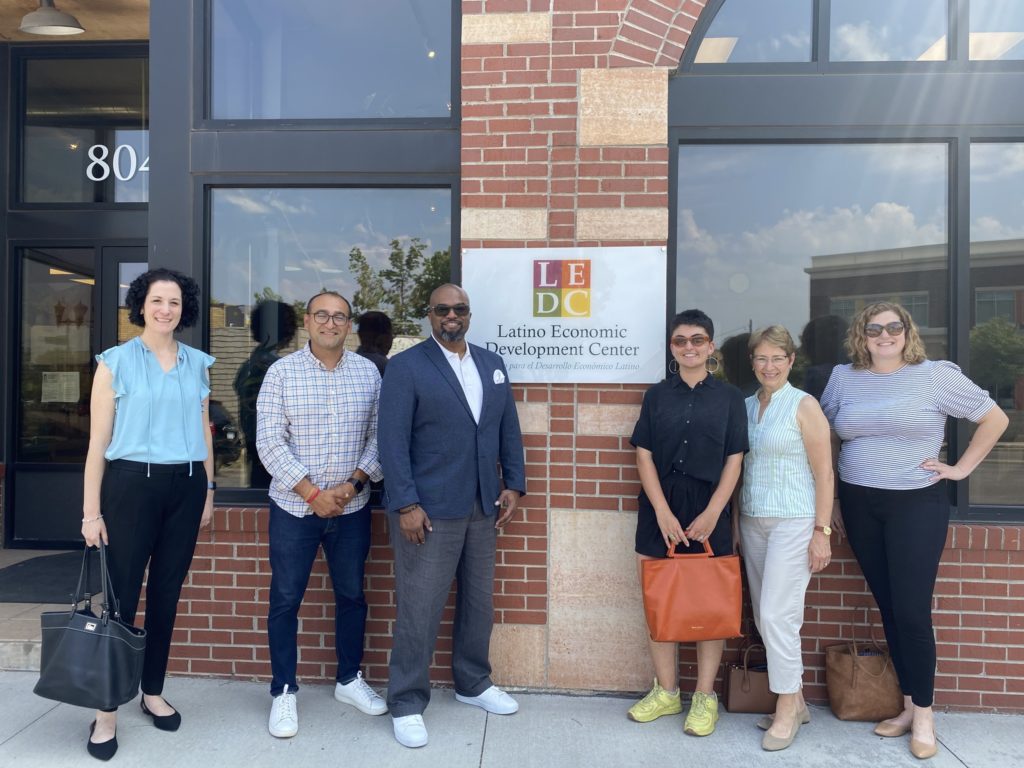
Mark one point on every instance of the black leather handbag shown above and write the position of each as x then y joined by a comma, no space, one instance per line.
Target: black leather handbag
89,660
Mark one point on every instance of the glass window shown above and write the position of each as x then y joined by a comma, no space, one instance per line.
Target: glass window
883,30
316,59
747,31
85,131
997,29
806,235
997,285
55,354
272,249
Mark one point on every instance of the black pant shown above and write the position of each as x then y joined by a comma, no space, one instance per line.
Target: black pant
152,520
898,538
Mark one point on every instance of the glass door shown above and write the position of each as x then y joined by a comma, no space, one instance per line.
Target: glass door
69,307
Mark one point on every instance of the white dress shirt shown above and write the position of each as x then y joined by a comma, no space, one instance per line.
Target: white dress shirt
468,376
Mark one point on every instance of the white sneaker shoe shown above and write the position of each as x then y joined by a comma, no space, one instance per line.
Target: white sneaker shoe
284,716
410,731
494,700
361,696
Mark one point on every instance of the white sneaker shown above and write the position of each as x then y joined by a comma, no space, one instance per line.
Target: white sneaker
410,731
284,716
361,696
494,700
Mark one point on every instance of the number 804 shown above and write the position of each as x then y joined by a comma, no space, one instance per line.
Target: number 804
124,155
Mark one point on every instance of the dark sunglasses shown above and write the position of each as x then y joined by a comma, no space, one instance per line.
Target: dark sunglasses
696,341
442,310
874,330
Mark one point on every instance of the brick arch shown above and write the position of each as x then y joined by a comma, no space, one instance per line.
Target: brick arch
654,32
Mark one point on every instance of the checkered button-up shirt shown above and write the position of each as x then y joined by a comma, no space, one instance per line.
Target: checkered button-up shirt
318,423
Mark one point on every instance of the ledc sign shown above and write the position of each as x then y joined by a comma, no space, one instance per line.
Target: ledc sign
570,315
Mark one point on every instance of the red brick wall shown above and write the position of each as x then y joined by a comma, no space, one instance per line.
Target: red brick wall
221,628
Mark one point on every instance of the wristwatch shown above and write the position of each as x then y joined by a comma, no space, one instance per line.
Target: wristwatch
357,484
826,529
211,485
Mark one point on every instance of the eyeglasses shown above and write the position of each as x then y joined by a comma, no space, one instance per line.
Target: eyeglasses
874,330
760,361
339,318
696,341
442,310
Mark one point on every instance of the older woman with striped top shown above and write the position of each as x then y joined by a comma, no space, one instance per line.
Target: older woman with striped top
786,508
889,409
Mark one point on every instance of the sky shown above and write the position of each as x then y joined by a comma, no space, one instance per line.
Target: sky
751,217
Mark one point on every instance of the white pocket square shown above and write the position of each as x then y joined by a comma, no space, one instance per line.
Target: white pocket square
499,377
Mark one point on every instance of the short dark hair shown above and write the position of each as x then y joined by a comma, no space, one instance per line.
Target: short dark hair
374,328
272,323
139,289
695,317
327,292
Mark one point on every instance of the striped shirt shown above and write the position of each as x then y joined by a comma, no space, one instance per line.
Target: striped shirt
318,423
890,423
777,477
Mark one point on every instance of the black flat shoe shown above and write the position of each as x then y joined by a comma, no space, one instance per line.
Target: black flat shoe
164,722
105,749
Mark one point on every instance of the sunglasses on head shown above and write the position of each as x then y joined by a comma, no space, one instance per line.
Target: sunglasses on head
874,330
442,310
696,341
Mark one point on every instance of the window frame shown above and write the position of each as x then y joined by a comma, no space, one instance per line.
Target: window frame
21,55
787,103
204,188
202,90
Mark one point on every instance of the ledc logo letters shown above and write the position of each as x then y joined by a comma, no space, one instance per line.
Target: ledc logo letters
561,288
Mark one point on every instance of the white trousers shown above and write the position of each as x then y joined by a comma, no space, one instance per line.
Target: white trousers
778,571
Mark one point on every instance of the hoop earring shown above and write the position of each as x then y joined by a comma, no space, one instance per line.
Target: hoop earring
718,364
673,367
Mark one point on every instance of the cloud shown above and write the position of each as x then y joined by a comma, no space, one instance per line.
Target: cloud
245,203
757,276
859,42
802,234
992,162
986,228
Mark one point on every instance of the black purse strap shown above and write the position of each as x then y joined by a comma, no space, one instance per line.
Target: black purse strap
109,598
82,590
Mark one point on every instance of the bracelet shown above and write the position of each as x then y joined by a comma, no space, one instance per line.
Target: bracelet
313,495
408,509
92,519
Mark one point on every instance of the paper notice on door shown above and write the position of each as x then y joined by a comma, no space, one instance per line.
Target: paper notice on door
60,387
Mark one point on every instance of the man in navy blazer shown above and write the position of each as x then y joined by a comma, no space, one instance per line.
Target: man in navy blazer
452,455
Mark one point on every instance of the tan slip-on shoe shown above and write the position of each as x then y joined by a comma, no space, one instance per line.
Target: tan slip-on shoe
771,743
766,722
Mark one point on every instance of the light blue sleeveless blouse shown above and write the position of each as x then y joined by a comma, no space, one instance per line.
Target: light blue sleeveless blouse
777,477
158,417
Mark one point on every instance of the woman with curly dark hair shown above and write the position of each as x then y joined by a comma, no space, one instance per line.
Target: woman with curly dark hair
889,408
149,474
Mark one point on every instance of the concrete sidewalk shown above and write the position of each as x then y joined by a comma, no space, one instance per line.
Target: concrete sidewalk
225,726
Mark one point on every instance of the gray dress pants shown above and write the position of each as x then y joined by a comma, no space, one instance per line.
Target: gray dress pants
461,549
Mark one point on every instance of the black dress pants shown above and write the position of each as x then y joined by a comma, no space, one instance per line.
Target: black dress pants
898,538
152,520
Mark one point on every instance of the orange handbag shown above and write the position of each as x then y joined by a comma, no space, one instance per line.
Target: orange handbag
692,597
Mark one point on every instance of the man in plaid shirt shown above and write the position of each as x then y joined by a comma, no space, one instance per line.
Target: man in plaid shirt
317,437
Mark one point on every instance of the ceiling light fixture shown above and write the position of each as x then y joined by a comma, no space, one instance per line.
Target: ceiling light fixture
47,20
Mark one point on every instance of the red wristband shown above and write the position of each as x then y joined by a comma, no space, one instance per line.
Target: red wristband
313,495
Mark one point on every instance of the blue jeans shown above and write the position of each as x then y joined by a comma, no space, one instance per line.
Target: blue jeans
294,542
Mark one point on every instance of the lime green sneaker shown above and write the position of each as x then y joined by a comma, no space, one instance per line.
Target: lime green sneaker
655,704
703,714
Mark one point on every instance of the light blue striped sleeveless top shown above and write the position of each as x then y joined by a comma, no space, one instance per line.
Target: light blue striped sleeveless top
777,478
